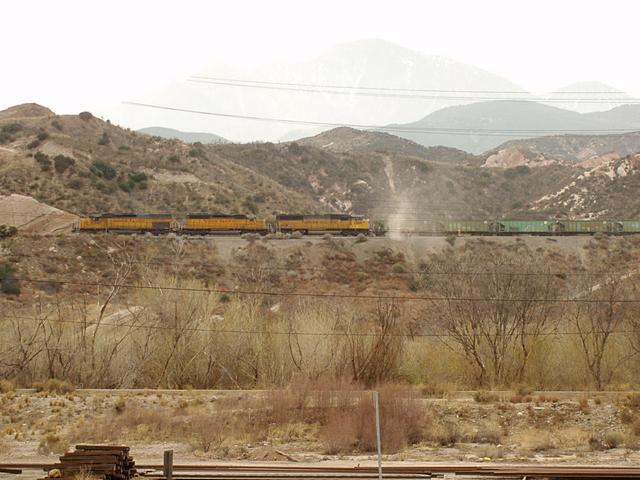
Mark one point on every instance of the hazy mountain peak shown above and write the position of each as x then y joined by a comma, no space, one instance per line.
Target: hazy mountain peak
363,63
187,137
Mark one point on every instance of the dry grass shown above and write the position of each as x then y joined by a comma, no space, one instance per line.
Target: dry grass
53,385
7,386
483,396
52,443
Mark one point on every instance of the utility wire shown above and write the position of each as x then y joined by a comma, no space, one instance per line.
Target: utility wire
171,262
327,295
429,90
354,91
434,131
304,333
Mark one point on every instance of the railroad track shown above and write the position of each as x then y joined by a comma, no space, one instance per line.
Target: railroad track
392,472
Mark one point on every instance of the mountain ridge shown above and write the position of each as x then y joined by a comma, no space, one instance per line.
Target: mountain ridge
187,137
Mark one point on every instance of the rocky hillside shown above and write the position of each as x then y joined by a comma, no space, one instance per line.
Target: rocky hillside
607,189
345,139
577,148
80,164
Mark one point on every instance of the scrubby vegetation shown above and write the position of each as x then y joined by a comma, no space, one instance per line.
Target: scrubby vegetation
8,284
533,339
7,231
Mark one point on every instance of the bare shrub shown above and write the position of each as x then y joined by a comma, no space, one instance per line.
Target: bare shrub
445,434
373,343
209,431
485,434
491,317
596,320
6,386
52,443
402,423
613,439
483,396
53,385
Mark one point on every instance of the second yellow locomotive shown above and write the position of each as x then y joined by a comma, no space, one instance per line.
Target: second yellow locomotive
206,223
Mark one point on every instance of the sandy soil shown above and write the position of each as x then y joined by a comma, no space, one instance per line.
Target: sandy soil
33,217
544,428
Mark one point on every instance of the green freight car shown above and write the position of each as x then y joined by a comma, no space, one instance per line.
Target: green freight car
533,227
629,226
480,227
574,227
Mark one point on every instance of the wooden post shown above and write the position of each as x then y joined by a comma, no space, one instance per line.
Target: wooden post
167,468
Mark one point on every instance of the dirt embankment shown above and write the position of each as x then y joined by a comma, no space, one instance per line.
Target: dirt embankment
33,217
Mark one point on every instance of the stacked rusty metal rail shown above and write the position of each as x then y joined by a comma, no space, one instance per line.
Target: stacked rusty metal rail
72,464
109,462
274,472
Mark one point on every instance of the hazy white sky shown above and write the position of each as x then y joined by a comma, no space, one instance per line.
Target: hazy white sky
79,55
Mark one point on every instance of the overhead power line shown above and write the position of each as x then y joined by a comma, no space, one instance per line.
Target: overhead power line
498,269
434,131
390,89
415,96
326,295
407,335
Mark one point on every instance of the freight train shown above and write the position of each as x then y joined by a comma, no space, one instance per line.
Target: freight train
211,224
342,224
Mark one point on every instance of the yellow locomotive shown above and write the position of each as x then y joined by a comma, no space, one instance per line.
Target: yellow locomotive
333,223
128,223
205,223
216,223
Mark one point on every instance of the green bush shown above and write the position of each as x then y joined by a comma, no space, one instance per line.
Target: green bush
43,160
104,139
520,170
138,177
11,128
126,185
104,187
43,135
62,163
399,268
424,167
613,439
5,138
294,149
7,231
75,184
34,144
103,169
8,284
250,205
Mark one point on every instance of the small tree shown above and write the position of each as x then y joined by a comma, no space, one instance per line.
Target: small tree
61,163
7,231
8,284
104,139
103,169
597,314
